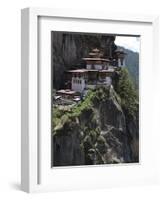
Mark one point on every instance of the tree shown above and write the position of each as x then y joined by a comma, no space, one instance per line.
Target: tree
127,92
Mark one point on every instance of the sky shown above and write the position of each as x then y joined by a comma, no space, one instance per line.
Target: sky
132,43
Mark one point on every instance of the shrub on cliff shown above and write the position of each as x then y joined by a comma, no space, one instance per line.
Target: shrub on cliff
127,92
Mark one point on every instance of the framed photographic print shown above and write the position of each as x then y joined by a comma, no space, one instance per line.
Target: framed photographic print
88,119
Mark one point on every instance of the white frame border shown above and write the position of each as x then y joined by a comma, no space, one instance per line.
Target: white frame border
29,80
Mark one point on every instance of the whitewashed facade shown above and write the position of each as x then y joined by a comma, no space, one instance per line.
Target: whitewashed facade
78,84
89,66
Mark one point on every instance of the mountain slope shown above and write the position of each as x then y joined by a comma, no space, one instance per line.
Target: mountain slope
132,64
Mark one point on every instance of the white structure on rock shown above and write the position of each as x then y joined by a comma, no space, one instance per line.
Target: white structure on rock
120,56
98,72
79,79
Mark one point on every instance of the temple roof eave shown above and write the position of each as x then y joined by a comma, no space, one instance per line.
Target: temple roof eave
89,70
96,59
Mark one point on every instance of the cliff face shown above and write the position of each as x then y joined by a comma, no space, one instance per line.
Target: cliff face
68,49
104,127
96,132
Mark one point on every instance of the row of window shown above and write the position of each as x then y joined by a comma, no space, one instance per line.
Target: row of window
80,76
97,66
77,81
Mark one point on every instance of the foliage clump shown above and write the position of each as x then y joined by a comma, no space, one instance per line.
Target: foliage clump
60,117
84,105
127,92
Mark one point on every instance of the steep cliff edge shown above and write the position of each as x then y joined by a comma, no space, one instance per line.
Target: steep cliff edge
102,129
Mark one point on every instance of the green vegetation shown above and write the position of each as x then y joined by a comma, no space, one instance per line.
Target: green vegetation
59,116
132,64
56,115
83,105
126,90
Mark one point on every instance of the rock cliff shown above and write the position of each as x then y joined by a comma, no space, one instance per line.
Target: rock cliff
96,132
104,127
69,48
